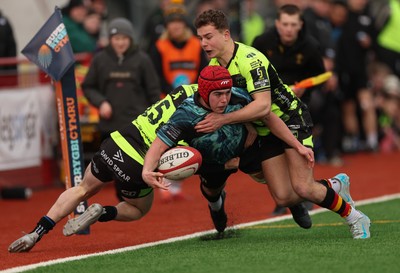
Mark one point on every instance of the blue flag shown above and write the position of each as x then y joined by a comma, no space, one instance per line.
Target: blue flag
50,48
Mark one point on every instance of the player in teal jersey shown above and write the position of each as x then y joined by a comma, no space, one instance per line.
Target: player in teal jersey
289,177
218,147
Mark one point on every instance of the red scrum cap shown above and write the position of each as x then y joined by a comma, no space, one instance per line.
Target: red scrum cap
213,78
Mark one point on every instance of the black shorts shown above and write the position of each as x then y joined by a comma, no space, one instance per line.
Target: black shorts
272,146
110,163
214,178
266,147
250,160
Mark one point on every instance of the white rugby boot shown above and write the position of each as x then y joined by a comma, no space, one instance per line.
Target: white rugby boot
24,244
81,222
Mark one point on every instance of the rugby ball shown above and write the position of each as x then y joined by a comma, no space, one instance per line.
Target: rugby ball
179,162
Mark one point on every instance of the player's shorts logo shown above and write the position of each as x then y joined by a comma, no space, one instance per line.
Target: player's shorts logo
118,156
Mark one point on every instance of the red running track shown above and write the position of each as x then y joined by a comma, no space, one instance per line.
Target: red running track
371,175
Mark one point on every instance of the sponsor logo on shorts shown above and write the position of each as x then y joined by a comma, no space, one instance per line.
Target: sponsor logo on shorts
117,170
118,156
129,193
96,170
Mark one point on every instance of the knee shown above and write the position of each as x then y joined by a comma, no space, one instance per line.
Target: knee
285,199
83,193
282,202
128,212
211,194
301,190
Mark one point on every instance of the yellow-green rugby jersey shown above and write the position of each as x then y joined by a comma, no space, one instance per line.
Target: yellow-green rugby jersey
250,69
136,138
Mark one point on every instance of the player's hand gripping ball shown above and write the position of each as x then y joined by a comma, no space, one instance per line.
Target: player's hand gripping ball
179,162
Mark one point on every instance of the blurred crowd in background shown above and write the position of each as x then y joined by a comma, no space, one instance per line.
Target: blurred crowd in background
359,42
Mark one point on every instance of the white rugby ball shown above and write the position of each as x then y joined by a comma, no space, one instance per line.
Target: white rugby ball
179,162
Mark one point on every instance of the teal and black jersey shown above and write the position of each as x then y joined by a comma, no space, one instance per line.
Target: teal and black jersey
217,147
250,69
136,138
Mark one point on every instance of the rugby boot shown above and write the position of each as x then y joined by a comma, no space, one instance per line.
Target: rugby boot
24,244
83,221
360,227
301,216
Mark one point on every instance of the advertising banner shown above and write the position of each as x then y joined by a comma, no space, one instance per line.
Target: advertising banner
20,125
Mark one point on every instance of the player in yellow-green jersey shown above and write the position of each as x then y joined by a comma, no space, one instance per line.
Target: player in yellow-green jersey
289,176
119,159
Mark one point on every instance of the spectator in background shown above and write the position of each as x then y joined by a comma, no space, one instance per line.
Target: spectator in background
337,17
325,105
96,22
253,23
74,15
293,53
316,16
92,25
8,47
121,81
154,25
177,54
389,118
353,49
203,5
386,88
178,58
387,14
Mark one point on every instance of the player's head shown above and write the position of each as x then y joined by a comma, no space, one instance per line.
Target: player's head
212,28
213,78
216,18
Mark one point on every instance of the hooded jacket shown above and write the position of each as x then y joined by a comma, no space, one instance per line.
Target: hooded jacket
129,84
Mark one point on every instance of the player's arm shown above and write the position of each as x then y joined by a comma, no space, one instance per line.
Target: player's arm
280,130
251,135
150,176
255,110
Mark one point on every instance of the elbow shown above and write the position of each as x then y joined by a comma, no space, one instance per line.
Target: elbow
264,111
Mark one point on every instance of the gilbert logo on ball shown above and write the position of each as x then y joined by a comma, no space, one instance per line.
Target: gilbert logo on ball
179,162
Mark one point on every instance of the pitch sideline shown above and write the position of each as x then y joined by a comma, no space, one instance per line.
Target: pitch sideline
185,237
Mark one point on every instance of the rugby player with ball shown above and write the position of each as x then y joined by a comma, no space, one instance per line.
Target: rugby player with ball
220,149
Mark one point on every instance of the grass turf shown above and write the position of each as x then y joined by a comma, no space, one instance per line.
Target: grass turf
276,247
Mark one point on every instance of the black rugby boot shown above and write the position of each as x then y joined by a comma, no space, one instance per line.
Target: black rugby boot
301,216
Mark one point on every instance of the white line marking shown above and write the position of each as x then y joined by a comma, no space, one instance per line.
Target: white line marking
185,237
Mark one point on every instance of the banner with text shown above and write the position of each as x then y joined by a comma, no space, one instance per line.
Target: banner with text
20,125
50,49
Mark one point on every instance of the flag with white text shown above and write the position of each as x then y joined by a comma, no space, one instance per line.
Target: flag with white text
50,49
